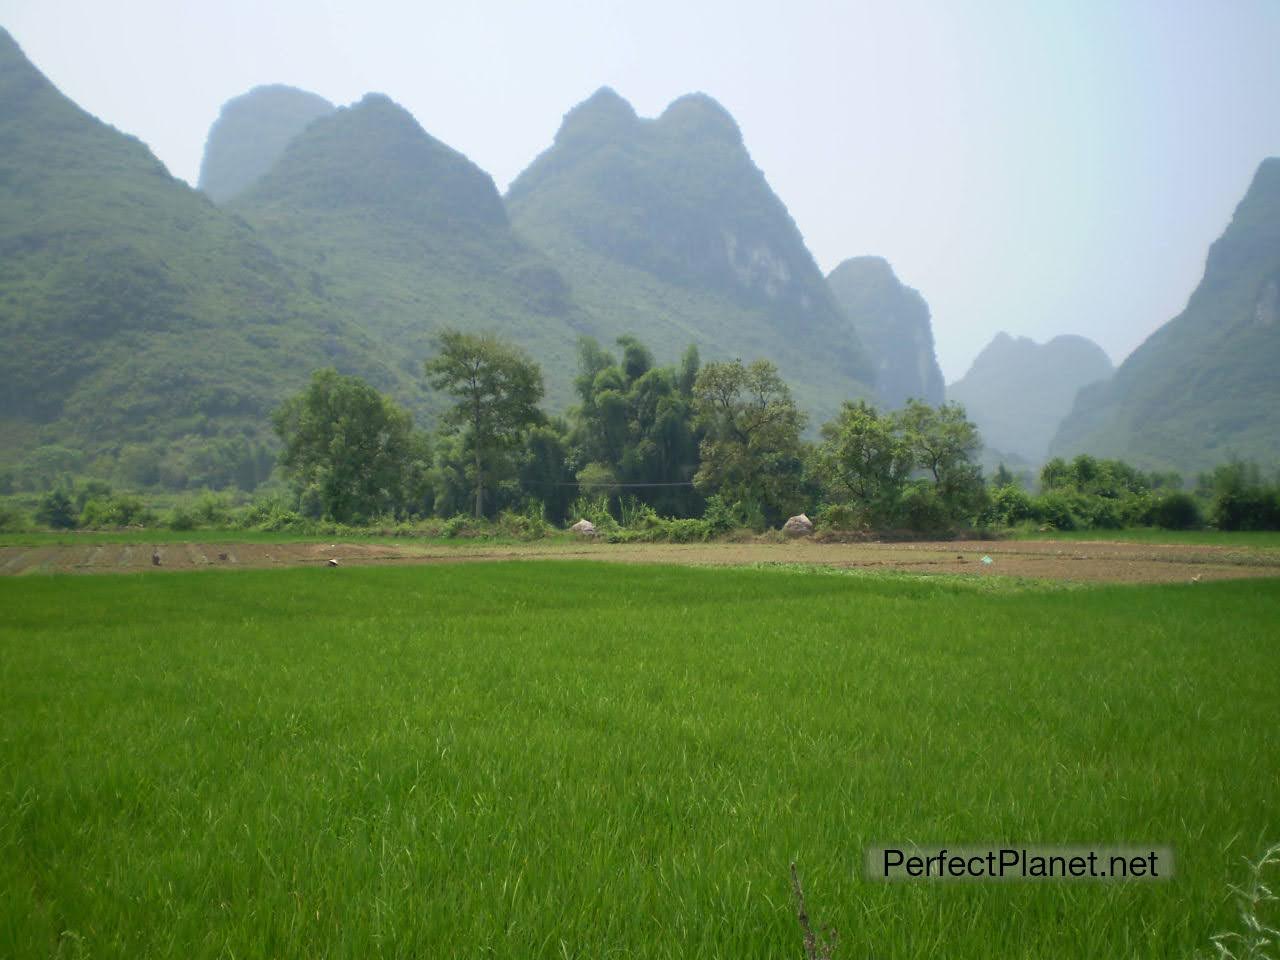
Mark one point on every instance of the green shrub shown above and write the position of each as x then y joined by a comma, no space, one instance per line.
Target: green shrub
1139,509
1055,510
1099,513
311,501
56,510
1175,511
596,510
272,512
212,510
530,524
12,520
87,490
840,516
121,510
663,530
919,508
749,515
686,530
285,520
461,525
717,516
634,514
1246,508
180,518
1010,505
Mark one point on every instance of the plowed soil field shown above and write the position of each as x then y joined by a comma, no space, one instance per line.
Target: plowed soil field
1100,561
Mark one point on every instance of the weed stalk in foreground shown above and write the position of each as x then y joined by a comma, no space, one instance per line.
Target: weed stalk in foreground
1258,940
814,948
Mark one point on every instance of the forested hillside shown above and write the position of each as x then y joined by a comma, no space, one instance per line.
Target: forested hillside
142,325
892,321
151,332
665,228
251,132
1204,387
400,230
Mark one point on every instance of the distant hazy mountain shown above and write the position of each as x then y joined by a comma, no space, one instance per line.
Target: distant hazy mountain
251,133
892,321
409,235
1206,385
134,311
1018,391
666,229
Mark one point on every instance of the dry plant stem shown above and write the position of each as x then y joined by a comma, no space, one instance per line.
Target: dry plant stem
810,942
1258,940
813,948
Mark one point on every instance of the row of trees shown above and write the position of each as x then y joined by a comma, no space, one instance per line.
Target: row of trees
669,436
683,441
1092,493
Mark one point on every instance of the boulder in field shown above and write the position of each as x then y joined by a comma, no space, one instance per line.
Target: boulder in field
584,528
798,526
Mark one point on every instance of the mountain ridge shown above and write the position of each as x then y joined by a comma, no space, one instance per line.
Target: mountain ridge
137,314
664,227
1018,391
402,230
1203,388
250,133
893,323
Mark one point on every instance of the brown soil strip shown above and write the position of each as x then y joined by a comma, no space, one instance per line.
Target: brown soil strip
1102,561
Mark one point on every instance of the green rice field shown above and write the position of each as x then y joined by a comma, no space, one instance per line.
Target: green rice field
1261,539
576,760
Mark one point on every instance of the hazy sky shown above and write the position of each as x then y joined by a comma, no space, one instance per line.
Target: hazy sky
1036,167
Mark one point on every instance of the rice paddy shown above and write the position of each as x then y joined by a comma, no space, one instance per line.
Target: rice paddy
572,759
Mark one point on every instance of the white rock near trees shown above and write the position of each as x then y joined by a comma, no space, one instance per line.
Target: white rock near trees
584,527
798,526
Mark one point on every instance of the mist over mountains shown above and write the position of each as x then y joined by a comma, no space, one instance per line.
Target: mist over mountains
1018,391
152,322
251,133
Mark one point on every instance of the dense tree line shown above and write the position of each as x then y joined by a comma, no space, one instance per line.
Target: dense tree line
665,438
1090,493
722,441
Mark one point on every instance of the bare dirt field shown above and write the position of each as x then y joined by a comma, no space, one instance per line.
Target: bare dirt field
1095,561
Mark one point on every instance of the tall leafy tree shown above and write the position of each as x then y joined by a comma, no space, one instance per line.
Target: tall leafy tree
496,389
635,425
863,459
350,445
751,452
945,444
690,363
545,471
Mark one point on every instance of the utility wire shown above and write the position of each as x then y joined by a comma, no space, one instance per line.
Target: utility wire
606,483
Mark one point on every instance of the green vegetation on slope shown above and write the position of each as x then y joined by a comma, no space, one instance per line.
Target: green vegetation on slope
1018,391
250,133
666,229
565,760
1203,388
409,235
892,321
140,322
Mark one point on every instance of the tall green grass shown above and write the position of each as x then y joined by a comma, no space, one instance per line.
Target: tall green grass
577,760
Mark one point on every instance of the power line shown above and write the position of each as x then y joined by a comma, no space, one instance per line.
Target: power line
607,483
